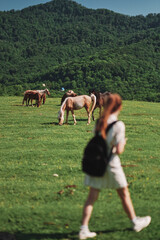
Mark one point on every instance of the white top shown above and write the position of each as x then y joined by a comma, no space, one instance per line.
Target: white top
114,176
115,135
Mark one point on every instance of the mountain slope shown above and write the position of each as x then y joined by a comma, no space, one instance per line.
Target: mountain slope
37,40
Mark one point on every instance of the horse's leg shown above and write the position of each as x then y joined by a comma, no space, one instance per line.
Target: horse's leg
32,102
27,100
93,114
23,101
89,115
74,118
67,113
100,110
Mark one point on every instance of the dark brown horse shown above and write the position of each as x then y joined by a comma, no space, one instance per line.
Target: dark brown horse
70,93
100,100
32,95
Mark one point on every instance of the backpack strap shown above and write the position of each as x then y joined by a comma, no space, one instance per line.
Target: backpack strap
110,125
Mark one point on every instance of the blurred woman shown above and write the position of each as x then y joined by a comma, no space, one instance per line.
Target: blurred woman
114,176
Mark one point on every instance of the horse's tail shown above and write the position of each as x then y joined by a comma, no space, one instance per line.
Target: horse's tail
61,112
93,97
63,107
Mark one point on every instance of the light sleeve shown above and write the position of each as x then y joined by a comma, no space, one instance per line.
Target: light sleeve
119,132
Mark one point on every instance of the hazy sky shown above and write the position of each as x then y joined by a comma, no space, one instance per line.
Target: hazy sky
128,7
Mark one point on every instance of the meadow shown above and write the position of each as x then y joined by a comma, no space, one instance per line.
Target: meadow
41,182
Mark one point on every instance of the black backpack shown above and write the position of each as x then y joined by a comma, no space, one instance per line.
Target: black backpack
96,156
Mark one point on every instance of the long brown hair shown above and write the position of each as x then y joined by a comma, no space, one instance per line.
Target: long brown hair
113,103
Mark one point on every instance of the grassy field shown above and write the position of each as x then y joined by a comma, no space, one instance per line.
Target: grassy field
35,204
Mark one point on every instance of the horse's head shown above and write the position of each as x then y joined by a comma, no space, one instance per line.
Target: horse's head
91,91
60,117
70,91
47,92
73,95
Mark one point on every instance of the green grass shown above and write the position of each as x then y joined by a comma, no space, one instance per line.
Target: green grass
34,204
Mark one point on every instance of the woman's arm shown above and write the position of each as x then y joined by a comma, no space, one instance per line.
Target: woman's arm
120,147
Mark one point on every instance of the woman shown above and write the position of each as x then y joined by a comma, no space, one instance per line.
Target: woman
114,176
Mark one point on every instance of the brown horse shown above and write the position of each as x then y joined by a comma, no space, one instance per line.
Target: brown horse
70,93
100,100
28,96
75,103
33,96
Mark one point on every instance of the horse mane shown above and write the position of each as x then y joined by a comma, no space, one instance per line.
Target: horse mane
106,93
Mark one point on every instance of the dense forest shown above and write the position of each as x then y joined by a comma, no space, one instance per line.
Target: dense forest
66,45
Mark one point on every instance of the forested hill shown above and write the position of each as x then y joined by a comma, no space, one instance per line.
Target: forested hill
63,44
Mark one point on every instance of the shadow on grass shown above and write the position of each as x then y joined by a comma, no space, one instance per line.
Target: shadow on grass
114,230
81,120
69,123
41,236
56,123
50,123
18,105
23,105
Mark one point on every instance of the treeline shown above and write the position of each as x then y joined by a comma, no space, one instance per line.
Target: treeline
132,76
64,44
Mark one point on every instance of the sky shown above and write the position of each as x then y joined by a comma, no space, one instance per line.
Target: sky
127,7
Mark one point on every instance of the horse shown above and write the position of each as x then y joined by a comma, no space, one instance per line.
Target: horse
100,100
32,95
76,103
70,93
42,96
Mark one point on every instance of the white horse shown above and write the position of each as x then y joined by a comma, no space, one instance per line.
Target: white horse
76,103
